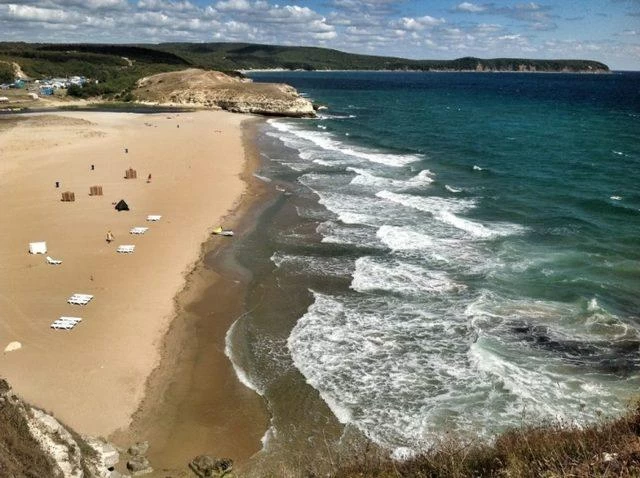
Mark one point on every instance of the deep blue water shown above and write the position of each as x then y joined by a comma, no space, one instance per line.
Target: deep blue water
475,251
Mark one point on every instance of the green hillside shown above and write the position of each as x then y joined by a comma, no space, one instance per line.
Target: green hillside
246,56
117,67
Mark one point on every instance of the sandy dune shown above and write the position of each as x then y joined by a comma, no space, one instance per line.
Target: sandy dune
93,376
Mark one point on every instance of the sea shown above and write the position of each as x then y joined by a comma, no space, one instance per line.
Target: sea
443,254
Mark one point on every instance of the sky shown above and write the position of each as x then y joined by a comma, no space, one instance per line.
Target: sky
602,30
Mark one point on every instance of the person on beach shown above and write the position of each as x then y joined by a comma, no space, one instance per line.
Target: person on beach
109,237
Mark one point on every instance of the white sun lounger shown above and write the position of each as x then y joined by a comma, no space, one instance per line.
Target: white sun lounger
153,218
52,261
126,248
79,299
138,230
69,319
64,325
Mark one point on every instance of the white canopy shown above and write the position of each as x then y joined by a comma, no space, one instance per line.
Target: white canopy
37,247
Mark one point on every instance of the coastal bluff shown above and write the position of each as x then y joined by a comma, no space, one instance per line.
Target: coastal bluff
217,90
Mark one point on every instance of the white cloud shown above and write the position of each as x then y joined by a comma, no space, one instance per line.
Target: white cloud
418,23
233,5
27,13
159,5
470,7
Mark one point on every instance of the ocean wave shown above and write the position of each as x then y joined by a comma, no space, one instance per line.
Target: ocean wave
367,178
313,265
336,233
352,209
393,370
375,274
456,254
302,138
241,374
445,210
330,116
452,189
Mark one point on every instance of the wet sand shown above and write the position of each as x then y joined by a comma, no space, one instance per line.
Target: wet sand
94,377
194,403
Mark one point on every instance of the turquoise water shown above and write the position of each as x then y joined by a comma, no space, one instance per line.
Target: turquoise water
465,248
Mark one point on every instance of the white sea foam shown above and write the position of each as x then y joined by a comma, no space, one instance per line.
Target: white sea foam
329,116
431,204
262,178
616,198
242,375
403,453
313,265
336,233
391,369
365,177
352,209
326,142
452,189
477,168
396,276
445,210
268,437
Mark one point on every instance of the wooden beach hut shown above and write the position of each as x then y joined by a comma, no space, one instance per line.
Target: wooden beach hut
68,196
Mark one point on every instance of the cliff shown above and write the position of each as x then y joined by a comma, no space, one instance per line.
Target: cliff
213,89
35,444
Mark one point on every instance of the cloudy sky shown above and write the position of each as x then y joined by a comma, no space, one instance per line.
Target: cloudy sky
604,30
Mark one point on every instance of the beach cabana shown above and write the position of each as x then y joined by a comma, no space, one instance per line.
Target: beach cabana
122,205
37,248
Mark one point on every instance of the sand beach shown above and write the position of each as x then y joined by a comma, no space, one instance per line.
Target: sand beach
94,376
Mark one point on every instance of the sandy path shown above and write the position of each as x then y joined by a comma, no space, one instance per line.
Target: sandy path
93,376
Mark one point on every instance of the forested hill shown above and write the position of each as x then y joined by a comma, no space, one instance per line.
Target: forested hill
117,68
95,60
246,56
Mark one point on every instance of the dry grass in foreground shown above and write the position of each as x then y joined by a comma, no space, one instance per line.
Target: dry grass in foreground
608,449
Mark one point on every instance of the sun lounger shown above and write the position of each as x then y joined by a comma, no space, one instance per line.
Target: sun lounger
79,299
126,248
54,262
63,325
69,319
153,218
138,230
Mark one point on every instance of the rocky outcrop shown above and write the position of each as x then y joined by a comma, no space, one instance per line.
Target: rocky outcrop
213,89
207,466
139,465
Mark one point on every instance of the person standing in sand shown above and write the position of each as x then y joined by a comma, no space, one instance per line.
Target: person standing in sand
109,237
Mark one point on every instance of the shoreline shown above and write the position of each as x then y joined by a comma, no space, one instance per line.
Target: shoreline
107,354
194,385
